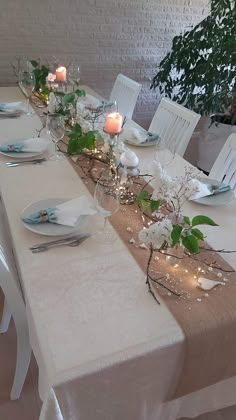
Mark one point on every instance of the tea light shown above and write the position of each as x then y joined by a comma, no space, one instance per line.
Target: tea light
129,159
61,74
113,123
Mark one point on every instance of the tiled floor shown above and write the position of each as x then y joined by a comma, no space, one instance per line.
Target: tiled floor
28,406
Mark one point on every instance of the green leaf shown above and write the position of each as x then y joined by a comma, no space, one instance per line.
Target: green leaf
34,63
187,220
76,145
198,234
155,204
143,200
175,234
75,132
203,220
80,92
190,243
61,94
68,98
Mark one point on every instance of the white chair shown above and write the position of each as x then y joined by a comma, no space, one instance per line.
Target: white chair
13,305
224,168
125,92
174,124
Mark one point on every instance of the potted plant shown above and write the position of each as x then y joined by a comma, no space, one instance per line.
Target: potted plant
200,70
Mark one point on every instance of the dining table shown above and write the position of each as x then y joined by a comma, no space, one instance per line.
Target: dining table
104,347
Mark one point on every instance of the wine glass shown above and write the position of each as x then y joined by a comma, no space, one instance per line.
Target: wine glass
106,198
56,128
164,153
27,85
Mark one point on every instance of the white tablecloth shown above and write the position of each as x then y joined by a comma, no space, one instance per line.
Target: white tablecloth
89,311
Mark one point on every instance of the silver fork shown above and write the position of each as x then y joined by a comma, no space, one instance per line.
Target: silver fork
25,162
71,241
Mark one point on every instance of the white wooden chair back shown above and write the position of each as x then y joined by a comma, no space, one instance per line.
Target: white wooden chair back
174,124
13,306
125,92
224,168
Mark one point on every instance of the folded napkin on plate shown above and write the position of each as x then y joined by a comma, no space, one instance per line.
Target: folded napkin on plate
137,136
7,106
25,146
205,189
90,102
66,213
11,109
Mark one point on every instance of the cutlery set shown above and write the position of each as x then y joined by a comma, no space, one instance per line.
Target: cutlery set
24,162
72,241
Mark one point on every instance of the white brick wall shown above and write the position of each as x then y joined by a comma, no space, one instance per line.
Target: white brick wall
104,36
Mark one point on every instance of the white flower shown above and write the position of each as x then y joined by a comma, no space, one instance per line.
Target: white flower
157,234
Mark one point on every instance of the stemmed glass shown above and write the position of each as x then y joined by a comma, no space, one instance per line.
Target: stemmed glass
164,154
56,128
27,85
106,198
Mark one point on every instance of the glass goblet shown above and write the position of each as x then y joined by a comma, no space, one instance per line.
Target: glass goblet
106,198
56,128
164,155
27,85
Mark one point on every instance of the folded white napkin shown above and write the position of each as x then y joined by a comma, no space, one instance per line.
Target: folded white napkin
134,135
207,188
69,212
66,213
88,101
9,106
34,145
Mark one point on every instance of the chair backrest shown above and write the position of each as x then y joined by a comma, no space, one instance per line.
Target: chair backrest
174,124
8,276
224,168
125,92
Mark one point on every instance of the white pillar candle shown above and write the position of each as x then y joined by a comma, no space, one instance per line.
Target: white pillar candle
113,123
61,74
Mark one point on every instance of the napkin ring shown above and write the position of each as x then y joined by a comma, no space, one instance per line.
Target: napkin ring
43,215
11,148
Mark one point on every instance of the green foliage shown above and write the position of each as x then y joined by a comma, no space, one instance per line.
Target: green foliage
79,141
144,201
186,234
40,74
200,69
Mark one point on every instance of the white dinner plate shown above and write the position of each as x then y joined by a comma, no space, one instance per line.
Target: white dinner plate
24,155
215,199
49,229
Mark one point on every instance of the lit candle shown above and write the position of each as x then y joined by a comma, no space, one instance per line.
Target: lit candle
61,74
113,123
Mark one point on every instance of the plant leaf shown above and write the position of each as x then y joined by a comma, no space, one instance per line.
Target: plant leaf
176,234
203,220
198,234
190,243
155,204
187,220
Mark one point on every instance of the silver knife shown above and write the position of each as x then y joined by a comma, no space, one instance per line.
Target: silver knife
73,240
24,162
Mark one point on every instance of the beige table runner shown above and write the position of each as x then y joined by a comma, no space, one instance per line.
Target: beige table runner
208,319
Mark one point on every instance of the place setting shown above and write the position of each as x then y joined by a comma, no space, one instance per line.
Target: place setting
59,217
25,151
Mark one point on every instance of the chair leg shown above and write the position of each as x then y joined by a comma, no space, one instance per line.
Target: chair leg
22,362
6,317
